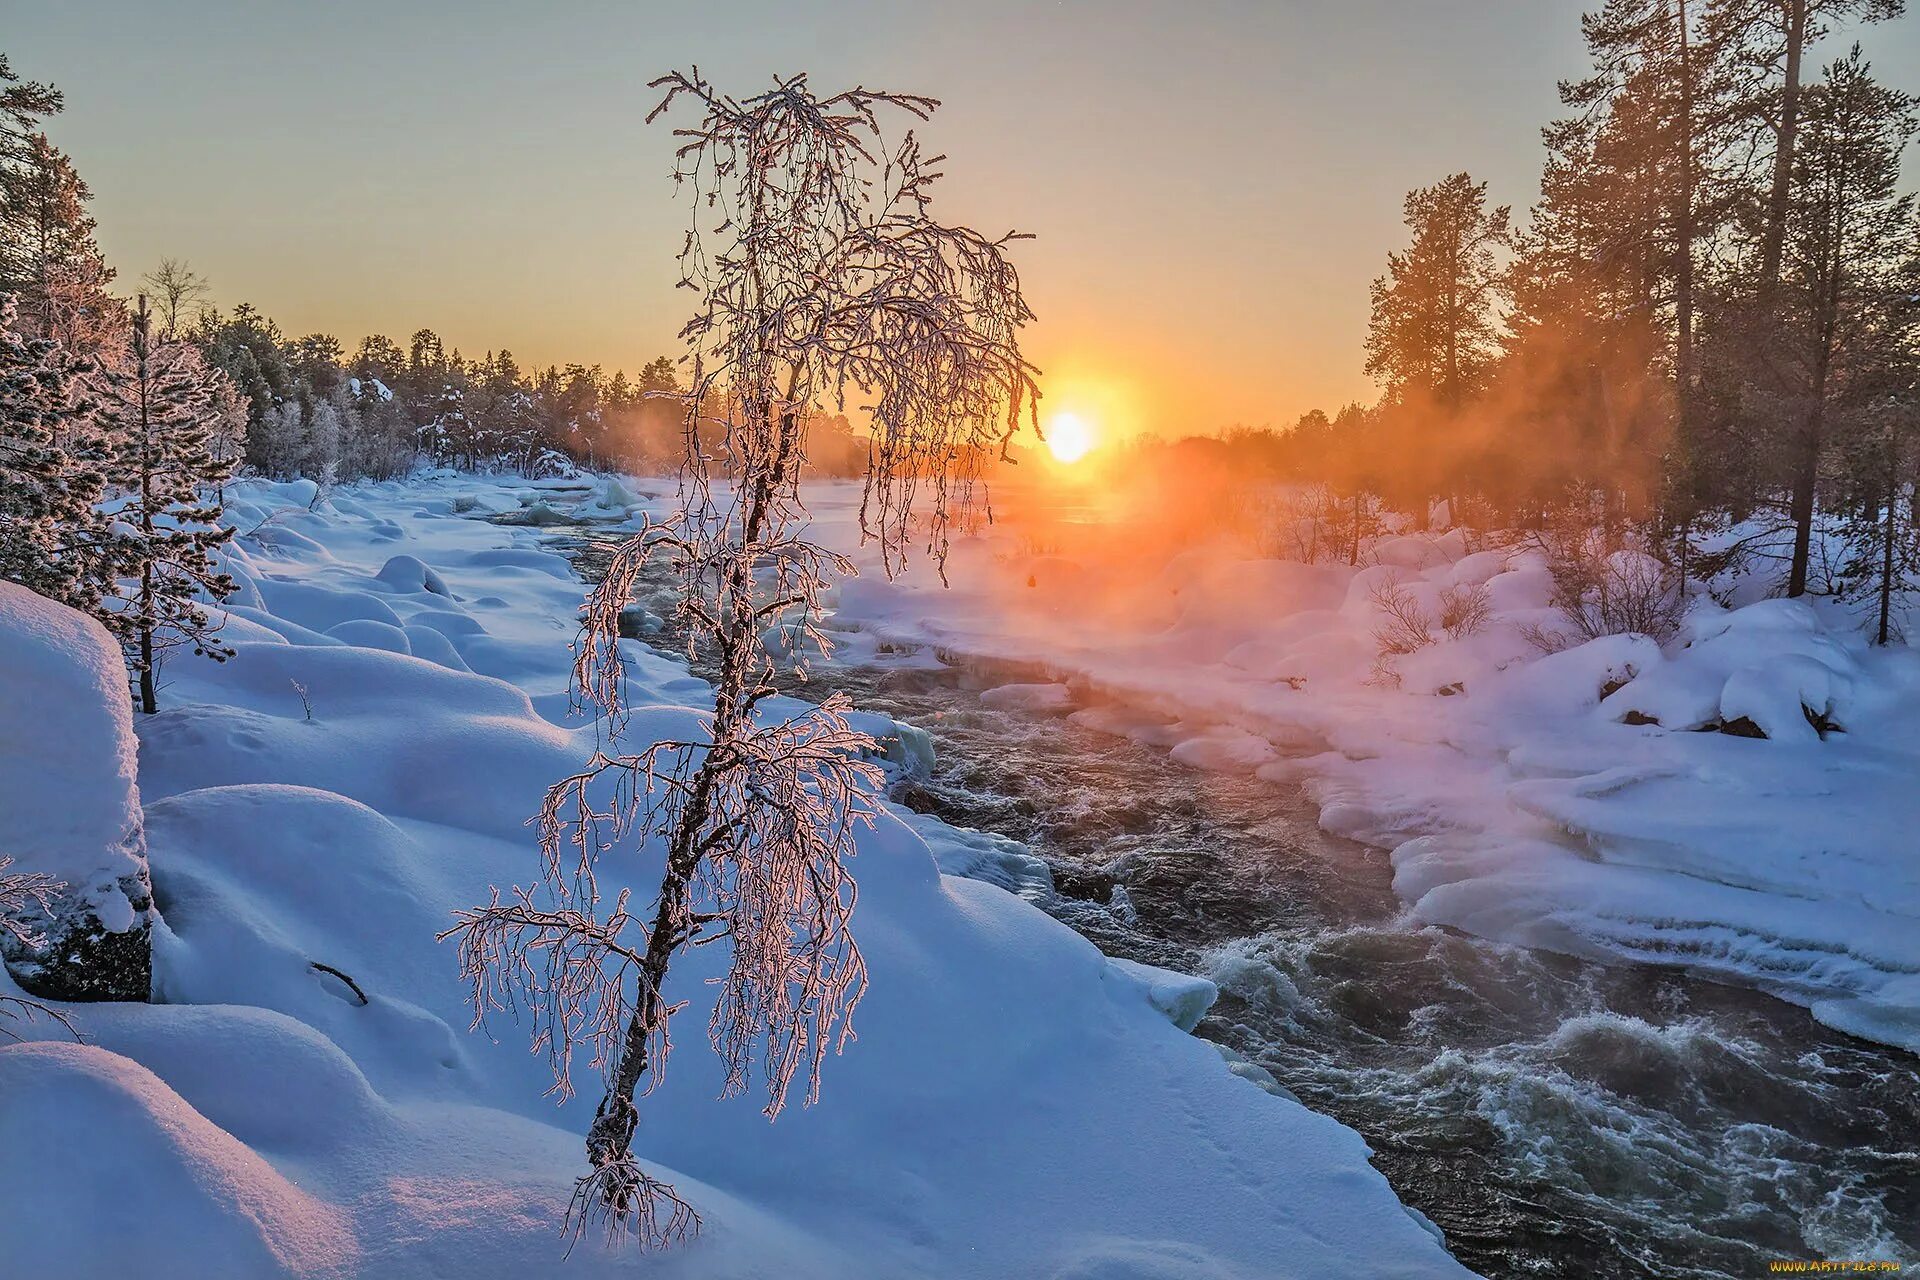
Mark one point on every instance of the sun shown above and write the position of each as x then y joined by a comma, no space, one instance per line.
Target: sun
1069,438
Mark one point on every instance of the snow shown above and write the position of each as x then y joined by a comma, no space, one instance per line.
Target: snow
105,1131
1738,801
66,731
318,805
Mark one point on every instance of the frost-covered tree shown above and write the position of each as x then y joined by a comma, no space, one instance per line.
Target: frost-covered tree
159,403
277,441
52,540
23,893
48,257
227,438
320,459
376,440
176,288
823,278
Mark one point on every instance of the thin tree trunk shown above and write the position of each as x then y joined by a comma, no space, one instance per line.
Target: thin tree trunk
1772,246
610,1138
1889,520
1806,474
1684,230
149,702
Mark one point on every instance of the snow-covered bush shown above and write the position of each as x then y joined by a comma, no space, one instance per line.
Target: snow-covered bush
1465,609
22,893
1405,625
1609,591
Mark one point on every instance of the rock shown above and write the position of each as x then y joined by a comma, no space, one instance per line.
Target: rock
639,623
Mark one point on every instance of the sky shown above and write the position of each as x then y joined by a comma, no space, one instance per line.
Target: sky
1212,185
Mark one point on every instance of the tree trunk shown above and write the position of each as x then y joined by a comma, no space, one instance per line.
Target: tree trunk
1889,521
149,703
1772,246
609,1140
1684,228
1806,474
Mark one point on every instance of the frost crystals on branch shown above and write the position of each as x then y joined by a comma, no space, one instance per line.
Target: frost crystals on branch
824,285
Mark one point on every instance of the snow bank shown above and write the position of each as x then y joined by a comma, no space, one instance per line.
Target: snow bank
310,1101
113,1165
68,802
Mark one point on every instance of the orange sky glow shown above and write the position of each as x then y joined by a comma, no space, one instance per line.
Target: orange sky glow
1211,186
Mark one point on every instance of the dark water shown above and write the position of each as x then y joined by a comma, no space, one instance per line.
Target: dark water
1552,1116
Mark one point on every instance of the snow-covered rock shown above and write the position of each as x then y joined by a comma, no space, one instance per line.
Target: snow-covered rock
69,806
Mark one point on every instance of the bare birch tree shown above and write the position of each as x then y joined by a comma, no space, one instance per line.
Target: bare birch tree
824,284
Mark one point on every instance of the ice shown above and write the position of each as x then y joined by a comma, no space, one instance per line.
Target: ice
1184,998
1029,697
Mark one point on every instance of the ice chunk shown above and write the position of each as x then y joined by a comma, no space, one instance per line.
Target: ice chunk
1184,998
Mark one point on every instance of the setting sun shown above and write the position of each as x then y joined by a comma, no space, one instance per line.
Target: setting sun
1069,438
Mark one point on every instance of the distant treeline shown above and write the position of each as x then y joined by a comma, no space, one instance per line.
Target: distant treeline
312,407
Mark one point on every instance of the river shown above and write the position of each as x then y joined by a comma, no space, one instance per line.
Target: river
1553,1116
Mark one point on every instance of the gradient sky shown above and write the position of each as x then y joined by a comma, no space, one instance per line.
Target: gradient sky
1213,184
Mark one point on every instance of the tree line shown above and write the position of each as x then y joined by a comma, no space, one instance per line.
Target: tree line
1702,338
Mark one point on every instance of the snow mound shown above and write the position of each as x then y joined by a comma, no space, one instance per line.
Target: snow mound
68,800
67,752
108,1155
410,574
1183,998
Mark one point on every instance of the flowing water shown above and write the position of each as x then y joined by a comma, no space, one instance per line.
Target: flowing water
1554,1117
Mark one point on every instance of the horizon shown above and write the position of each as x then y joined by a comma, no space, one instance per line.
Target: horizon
407,174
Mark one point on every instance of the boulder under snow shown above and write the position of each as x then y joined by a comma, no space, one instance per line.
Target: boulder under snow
71,806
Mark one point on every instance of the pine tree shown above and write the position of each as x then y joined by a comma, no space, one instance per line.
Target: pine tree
52,540
1769,40
1608,283
54,263
48,258
1434,333
1848,234
1435,327
159,404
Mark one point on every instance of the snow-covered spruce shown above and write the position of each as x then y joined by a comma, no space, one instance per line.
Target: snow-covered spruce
72,812
50,531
